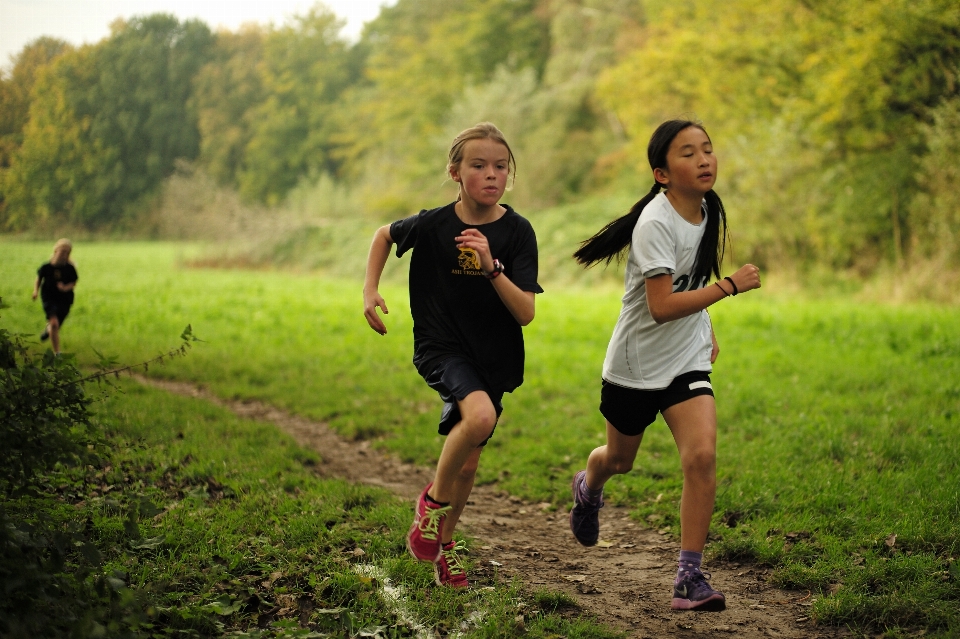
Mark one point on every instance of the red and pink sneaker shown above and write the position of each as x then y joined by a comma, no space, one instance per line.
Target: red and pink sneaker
448,570
423,540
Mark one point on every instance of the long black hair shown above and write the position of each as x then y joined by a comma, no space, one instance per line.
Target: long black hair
613,240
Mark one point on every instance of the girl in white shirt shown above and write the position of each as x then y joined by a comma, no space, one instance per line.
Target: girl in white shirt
660,355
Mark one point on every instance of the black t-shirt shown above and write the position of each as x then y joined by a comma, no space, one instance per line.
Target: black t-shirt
455,309
49,275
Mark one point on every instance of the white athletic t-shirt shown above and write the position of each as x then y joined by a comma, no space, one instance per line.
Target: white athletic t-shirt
643,354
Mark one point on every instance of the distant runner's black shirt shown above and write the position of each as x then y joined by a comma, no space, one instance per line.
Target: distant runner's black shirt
49,275
455,309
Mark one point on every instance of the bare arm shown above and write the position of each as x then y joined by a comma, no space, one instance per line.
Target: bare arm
376,260
520,303
36,288
666,306
66,287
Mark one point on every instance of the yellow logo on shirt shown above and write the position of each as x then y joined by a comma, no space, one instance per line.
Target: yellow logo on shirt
469,260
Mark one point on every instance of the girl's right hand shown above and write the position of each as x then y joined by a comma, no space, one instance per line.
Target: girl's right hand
747,278
370,303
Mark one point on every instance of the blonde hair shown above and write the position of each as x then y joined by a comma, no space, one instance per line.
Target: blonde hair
481,131
62,243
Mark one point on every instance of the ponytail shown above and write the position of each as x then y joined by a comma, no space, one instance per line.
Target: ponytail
613,239
713,244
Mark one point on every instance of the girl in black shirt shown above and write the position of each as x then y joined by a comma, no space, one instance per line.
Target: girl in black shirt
55,283
473,280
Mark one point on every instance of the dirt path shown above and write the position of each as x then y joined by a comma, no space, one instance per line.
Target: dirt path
625,584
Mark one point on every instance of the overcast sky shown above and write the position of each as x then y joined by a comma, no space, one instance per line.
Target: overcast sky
80,21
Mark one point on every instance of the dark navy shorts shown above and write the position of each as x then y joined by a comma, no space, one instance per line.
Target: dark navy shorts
454,379
57,309
631,410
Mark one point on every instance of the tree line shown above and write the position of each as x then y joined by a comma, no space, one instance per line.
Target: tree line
838,123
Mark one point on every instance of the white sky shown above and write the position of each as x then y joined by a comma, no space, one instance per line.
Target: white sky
88,21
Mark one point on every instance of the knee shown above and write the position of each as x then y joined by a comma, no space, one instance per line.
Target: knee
54,323
481,423
700,461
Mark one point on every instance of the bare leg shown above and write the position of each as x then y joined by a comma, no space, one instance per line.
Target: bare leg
694,427
54,329
462,489
614,458
457,466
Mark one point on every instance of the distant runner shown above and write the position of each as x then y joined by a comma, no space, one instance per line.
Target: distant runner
55,283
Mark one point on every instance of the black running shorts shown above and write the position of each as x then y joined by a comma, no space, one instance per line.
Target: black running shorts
56,308
454,379
631,410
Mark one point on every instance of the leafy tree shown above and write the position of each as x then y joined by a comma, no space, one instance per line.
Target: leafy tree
556,127
303,72
227,90
15,91
59,169
107,123
825,101
421,55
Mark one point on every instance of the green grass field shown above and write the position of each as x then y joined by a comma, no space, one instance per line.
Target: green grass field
839,422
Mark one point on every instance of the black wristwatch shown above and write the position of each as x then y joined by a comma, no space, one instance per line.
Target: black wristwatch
497,270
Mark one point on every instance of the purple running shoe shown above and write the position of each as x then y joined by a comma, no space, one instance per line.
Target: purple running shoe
692,592
585,517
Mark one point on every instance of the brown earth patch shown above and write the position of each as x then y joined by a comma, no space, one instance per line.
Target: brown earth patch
625,583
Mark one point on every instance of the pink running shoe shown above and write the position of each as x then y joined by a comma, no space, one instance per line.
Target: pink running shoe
448,570
423,540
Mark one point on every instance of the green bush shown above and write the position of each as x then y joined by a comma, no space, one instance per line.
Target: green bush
53,577
44,413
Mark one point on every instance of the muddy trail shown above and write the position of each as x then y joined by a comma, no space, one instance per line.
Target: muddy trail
624,582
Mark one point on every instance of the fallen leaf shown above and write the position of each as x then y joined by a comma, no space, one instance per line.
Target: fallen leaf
891,541
604,543
150,544
575,578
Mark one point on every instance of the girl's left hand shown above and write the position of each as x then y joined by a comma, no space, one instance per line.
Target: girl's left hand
474,239
716,347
